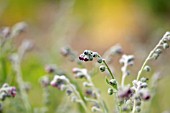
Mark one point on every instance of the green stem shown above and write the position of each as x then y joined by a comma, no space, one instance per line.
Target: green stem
108,69
4,69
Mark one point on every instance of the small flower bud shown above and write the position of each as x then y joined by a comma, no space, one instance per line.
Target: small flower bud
159,51
165,45
69,92
102,68
79,75
50,68
86,84
95,54
138,109
86,52
81,57
155,56
99,60
65,51
110,91
88,92
90,57
143,79
144,94
138,102
144,85
113,82
165,40
86,58
147,68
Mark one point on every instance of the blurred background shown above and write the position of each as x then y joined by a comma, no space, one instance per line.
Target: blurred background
90,24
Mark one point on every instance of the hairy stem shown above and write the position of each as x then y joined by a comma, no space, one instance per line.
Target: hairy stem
23,92
108,69
124,74
97,94
78,95
150,55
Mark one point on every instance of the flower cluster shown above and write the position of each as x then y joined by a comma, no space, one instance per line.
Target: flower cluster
129,98
89,55
7,91
59,82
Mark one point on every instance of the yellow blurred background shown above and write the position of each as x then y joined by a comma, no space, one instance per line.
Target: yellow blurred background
91,24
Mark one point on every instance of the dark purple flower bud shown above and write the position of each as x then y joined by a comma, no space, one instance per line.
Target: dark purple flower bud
86,59
69,92
81,57
13,91
125,92
144,94
88,92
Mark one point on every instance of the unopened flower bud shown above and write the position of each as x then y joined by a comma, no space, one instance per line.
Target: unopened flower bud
50,68
143,79
138,102
144,94
81,57
110,91
165,45
90,57
86,84
86,58
159,51
155,56
95,54
102,68
113,82
138,109
99,60
69,92
165,40
86,52
147,68
144,85
65,51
